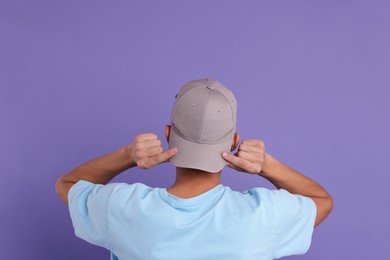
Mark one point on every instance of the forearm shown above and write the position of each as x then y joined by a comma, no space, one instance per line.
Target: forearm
100,171
145,151
283,177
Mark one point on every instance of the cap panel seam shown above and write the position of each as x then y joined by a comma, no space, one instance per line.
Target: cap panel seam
204,116
178,101
231,109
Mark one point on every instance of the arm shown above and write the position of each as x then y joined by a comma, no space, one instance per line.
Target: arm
251,158
283,177
145,151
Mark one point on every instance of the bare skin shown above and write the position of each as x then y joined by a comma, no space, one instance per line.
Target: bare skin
146,151
191,183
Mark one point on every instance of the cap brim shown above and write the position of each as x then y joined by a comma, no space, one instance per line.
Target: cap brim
205,157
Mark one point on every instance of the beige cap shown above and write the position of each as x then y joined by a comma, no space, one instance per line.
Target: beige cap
203,123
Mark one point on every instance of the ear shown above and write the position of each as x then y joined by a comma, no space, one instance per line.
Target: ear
167,132
236,140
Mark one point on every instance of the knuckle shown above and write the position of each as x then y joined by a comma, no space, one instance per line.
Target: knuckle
242,146
165,155
145,165
140,165
254,169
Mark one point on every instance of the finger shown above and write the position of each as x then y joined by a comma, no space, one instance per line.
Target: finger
252,142
154,151
241,164
159,158
149,144
251,157
236,161
146,137
251,147
234,167
141,147
144,154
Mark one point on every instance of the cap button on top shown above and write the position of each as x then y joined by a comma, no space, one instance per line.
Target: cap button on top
210,87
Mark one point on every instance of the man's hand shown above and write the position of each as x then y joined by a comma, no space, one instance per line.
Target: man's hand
249,158
146,151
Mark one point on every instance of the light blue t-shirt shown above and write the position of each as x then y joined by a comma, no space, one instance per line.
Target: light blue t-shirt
135,221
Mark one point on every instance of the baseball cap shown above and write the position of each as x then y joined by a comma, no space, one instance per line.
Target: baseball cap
203,123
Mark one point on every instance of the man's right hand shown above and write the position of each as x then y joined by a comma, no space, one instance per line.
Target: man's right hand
146,151
249,158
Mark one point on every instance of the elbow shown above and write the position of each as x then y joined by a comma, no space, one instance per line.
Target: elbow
61,190
58,186
331,203
324,208
327,204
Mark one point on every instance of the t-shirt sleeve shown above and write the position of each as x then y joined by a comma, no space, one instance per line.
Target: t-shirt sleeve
294,223
88,207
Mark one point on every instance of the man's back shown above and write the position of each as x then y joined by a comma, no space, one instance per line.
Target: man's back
139,222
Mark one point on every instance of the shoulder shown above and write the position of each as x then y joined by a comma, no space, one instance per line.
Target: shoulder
85,188
274,196
275,200
126,189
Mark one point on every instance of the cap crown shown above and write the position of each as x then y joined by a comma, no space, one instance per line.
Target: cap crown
204,112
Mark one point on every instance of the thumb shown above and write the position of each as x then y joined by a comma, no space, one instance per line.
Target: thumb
159,158
235,162
230,158
165,156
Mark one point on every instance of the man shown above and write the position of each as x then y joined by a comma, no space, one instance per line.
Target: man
198,217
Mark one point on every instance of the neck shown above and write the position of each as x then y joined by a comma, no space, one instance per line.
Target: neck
190,182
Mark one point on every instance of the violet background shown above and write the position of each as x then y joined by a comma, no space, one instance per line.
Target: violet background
79,79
